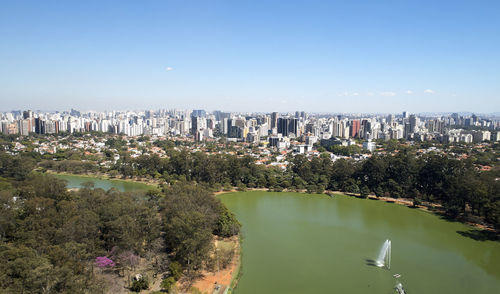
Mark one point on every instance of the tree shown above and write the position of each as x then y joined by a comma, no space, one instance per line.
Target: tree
364,191
351,186
227,225
175,269
104,262
167,284
190,215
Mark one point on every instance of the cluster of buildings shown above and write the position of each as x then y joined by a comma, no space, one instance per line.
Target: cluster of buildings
275,129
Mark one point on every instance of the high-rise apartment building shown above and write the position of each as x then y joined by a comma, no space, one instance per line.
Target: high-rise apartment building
274,120
354,128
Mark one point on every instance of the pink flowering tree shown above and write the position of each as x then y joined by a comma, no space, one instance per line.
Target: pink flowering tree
104,262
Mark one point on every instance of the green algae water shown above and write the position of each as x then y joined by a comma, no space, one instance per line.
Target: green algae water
299,243
76,181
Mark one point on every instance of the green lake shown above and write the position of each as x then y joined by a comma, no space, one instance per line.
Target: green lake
299,243
76,181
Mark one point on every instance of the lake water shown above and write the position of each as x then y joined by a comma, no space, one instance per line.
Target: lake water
299,243
76,181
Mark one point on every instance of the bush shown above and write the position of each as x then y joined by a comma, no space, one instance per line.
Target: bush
139,285
167,284
311,189
175,269
364,191
227,187
320,189
277,189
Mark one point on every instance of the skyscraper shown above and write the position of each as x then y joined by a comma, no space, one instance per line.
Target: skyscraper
274,120
293,126
282,126
354,128
413,123
39,126
198,113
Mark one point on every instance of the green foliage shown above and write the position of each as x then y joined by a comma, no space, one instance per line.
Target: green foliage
351,186
75,166
227,225
140,284
241,187
364,191
50,236
344,150
5,184
167,284
175,269
190,215
15,167
311,189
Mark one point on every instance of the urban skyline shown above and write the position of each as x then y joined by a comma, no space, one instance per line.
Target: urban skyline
276,129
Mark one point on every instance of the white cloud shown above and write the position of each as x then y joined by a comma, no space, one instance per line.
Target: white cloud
429,91
348,94
169,68
388,94
409,92
370,94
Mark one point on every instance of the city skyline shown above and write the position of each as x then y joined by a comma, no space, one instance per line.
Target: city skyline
316,56
274,127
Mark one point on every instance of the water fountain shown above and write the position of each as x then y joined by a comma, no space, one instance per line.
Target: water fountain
384,256
399,288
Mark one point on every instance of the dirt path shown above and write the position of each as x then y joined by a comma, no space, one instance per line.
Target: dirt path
218,282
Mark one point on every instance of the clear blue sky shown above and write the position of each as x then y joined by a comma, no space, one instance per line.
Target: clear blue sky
317,56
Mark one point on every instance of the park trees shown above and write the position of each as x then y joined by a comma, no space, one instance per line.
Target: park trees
190,217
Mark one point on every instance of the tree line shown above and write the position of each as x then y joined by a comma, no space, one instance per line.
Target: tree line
458,184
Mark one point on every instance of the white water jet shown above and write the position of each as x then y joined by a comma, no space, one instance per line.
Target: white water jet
384,256
399,288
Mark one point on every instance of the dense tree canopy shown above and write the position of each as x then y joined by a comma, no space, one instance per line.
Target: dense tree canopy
50,237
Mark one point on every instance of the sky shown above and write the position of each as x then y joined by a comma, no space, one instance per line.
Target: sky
241,55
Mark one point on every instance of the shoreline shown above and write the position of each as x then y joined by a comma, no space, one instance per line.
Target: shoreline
433,208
